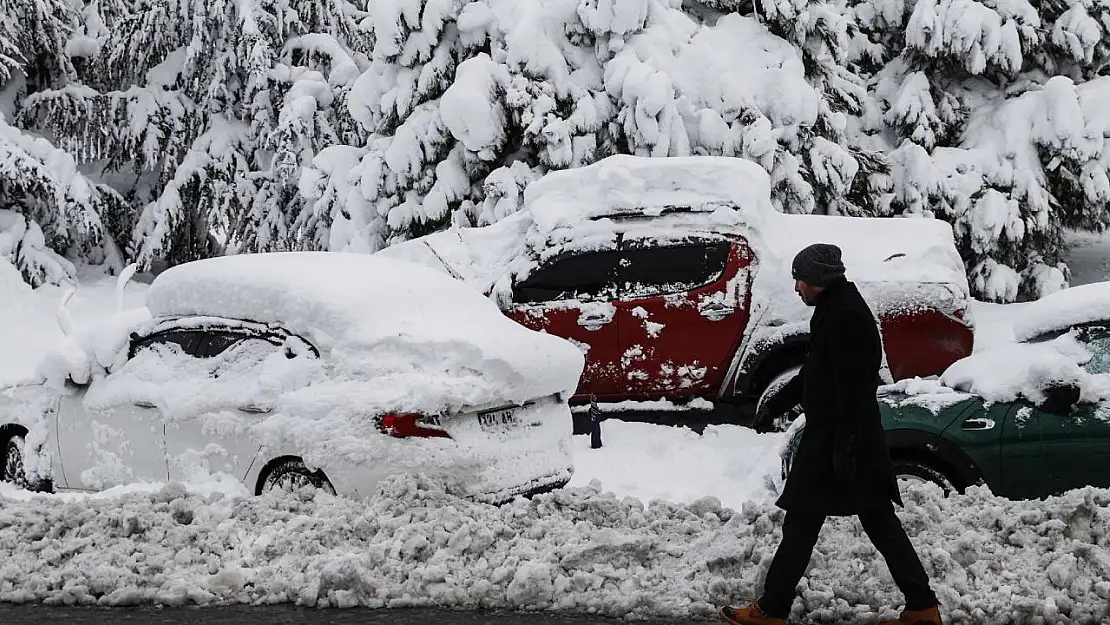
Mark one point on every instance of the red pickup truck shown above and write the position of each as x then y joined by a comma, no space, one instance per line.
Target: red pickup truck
672,276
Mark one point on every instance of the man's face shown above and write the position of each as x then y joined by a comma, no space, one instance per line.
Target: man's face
807,292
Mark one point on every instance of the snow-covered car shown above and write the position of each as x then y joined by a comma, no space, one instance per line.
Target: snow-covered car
286,369
673,277
1029,418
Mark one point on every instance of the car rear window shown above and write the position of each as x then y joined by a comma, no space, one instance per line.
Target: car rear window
648,271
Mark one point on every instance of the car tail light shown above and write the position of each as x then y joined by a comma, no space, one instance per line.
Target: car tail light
406,424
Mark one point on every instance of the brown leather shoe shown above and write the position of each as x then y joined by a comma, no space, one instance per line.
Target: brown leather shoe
928,616
751,615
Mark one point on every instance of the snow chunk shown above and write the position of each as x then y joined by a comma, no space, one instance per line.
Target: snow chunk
926,393
1061,310
470,107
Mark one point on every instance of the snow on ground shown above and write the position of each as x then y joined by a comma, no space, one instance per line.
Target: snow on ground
991,560
649,461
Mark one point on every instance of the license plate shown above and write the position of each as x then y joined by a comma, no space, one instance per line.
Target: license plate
498,419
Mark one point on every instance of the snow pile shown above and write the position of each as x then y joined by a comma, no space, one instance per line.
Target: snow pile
92,350
1059,311
989,559
1008,372
732,463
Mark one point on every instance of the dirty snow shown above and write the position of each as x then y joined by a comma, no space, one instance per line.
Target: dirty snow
580,549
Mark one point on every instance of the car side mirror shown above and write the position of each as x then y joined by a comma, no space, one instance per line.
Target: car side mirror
1060,399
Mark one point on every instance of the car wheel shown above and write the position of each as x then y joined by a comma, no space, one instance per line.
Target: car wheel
780,422
918,472
14,472
291,474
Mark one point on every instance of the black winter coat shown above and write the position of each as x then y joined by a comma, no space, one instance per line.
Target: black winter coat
837,388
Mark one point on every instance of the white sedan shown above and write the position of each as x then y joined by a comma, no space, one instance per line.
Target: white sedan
335,370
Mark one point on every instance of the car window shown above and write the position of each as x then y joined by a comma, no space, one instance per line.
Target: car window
1096,339
243,355
649,271
188,342
591,275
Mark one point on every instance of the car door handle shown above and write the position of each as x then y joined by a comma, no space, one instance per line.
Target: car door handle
594,321
977,424
253,409
715,311
145,404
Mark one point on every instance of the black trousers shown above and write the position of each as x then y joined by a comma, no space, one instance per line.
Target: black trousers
799,536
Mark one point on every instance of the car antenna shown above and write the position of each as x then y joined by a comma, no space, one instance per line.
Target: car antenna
450,269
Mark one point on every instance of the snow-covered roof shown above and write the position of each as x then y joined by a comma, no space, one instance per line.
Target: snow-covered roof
370,304
623,184
1063,309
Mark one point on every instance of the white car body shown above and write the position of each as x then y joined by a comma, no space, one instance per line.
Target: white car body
241,362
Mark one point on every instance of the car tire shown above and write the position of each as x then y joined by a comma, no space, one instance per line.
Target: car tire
913,470
13,468
290,474
776,423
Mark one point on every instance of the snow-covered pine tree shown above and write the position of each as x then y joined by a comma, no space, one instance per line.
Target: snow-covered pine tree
201,112
467,102
847,177
50,214
982,137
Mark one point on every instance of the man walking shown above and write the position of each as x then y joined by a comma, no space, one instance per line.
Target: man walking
842,466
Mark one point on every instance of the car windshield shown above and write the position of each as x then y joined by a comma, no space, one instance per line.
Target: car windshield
1099,348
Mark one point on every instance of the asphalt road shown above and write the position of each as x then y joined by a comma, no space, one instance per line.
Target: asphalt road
37,614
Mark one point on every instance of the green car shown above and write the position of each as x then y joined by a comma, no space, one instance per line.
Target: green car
1028,419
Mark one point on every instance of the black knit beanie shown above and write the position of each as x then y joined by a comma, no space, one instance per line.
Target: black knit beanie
819,264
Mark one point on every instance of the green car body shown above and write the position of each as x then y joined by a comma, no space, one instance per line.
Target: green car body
1018,449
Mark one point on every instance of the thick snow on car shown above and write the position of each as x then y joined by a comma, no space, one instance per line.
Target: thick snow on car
1029,418
673,277
283,369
